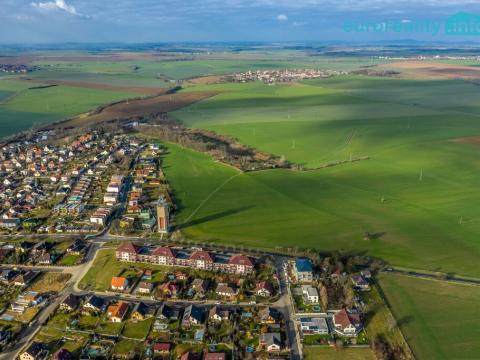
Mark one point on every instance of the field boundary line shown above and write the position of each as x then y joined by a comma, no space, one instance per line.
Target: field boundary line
218,188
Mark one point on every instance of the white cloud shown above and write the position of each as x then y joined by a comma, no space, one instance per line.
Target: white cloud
282,17
55,5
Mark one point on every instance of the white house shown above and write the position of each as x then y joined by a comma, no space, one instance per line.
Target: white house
310,294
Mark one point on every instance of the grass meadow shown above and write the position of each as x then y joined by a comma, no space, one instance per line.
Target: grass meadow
438,319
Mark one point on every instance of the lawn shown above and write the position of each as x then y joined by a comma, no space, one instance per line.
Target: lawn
330,353
438,319
69,260
126,346
88,322
105,266
109,328
137,330
50,281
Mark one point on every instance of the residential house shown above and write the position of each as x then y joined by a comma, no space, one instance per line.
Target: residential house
271,342
35,351
359,283
264,289
161,349
227,290
347,324
117,312
268,315
317,326
168,312
25,278
144,287
190,356
303,270
62,354
214,356
310,294
8,276
169,289
70,303
94,304
141,311
119,283
200,286
193,315
218,314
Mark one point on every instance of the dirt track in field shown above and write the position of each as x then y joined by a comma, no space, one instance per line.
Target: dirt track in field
204,80
138,108
433,70
88,85
471,140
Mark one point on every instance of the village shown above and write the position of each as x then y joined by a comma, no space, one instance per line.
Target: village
272,77
75,186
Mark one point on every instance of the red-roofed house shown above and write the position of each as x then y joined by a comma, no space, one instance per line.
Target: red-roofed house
214,356
161,348
119,283
117,312
347,324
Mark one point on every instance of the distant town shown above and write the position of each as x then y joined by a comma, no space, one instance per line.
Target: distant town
285,75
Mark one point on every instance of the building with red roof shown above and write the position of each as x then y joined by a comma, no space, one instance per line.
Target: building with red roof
347,324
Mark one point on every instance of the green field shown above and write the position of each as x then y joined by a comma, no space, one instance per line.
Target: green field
25,107
417,191
439,320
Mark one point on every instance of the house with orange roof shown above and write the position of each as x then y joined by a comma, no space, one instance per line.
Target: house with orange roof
117,312
119,283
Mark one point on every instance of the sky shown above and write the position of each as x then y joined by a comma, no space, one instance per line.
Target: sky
139,21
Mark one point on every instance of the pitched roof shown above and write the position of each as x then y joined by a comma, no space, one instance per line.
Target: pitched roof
118,310
271,339
35,348
264,285
163,251
214,356
190,356
240,260
71,301
119,281
141,308
128,248
96,301
344,319
202,255
161,347
62,354
193,311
